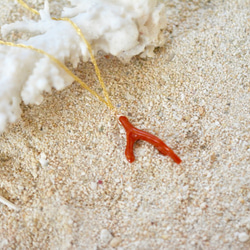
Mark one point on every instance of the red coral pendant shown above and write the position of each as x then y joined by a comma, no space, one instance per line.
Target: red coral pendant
134,134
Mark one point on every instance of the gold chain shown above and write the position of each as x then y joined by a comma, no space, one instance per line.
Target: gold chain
60,64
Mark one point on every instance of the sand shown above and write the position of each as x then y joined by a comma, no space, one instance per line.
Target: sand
63,162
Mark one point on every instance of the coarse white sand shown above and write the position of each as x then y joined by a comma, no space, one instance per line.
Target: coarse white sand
63,162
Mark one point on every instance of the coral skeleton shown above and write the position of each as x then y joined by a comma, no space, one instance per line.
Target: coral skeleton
120,28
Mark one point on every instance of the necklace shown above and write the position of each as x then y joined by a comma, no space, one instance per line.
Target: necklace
132,133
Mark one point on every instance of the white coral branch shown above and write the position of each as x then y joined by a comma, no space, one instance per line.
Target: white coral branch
122,28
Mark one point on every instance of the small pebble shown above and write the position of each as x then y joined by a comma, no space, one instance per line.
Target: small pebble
165,237
115,242
106,237
43,161
93,185
243,237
